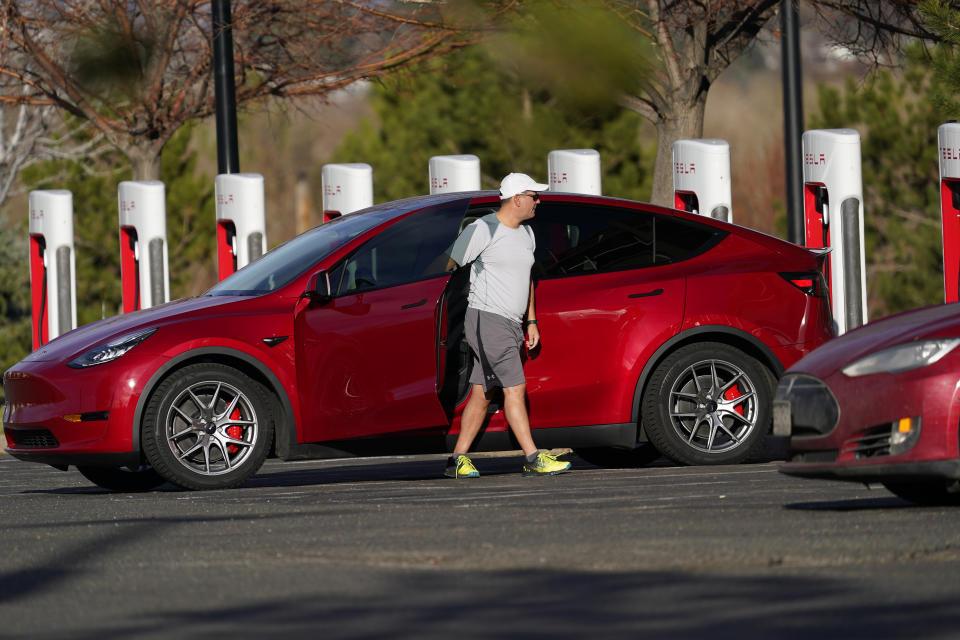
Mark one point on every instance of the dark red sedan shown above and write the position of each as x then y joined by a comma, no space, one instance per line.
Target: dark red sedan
880,405
656,326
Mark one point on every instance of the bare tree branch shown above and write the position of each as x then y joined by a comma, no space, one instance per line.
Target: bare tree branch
138,70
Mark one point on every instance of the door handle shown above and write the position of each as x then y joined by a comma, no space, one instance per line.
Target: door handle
655,292
414,304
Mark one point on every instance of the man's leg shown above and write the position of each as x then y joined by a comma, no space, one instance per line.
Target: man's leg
472,419
538,463
515,408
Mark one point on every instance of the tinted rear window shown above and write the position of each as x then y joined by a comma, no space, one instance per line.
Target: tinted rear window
577,239
678,240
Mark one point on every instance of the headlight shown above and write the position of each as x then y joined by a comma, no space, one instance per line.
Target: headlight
112,350
904,357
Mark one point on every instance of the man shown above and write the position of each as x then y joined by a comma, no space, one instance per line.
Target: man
501,294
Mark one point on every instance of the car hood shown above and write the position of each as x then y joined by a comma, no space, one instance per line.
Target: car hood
931,322
95,333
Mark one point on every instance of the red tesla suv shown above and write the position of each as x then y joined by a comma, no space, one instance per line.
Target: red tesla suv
880,404
657,327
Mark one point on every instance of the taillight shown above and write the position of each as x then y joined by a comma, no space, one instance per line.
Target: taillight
810,282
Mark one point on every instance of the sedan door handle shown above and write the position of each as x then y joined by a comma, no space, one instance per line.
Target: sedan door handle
414,304
655,292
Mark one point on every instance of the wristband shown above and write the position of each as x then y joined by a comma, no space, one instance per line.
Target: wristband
529,322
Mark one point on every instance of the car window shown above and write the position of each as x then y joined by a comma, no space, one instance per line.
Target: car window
282,264
412,249
678,240
578,239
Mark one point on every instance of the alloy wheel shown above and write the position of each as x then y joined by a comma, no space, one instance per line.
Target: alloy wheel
713,406
211,427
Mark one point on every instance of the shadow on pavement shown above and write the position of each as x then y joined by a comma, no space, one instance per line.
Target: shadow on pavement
348,470
862,504
357,603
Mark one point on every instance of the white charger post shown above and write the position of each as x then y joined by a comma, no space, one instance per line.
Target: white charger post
53,271
346,188
701,177
948,145
144,264
833,217
574,171
450,174
241,221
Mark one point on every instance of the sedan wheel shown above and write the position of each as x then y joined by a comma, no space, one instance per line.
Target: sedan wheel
708,403
207,426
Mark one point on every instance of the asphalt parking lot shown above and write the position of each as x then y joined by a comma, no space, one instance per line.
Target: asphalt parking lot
387,547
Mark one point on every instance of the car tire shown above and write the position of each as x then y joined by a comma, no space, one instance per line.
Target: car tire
708,403
932,492
619,457
207,426
123,479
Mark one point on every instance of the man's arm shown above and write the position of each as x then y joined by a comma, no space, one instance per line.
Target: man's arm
469,244
533,330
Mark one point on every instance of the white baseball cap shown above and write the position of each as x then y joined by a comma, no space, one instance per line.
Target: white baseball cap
516,183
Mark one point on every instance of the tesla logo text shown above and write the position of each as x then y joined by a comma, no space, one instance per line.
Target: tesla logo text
684,167
438,183
332,190
558,178
814,159
128,205
950,153
224,198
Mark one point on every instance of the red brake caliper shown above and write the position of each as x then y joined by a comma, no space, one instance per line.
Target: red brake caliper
732,394
234,432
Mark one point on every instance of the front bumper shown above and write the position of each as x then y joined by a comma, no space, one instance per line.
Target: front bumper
947,469
61,416
846,428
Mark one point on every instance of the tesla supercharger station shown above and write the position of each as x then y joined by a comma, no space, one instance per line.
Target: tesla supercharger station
574,171
346,188
833,217
241,221
449,174
948,143
144,268
53,269
701,177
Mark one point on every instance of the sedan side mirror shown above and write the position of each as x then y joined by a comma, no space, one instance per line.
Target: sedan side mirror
318,289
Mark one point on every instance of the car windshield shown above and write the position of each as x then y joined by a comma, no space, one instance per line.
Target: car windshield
282,264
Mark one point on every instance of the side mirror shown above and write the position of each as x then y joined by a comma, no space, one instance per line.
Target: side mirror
318,289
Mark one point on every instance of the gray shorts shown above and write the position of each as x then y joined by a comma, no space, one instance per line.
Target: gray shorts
496,342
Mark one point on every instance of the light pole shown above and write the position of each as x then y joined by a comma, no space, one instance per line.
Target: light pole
792,119
228,160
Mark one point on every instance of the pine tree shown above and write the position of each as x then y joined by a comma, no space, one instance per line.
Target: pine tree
897,115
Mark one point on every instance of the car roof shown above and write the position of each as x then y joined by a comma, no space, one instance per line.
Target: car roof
488,196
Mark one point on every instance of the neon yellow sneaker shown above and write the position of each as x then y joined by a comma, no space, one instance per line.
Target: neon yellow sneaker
460,467
545,465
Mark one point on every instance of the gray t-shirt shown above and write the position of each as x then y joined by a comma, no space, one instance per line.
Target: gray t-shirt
500,273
